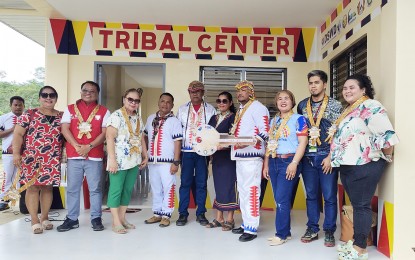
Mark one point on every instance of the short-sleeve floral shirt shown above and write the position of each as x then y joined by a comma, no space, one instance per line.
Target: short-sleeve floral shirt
362,134
125,159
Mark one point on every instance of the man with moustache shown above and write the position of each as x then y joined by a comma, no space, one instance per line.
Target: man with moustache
250,120
84,127
320,111
163,132
7,123
194,167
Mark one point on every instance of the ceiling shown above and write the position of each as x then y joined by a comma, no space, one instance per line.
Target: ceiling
30,17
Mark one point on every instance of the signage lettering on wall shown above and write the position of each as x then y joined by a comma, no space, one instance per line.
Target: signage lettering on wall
331,34
193,42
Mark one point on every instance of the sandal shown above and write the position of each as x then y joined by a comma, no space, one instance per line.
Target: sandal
47,225
214,224
120,229
228,225
128,225
37,228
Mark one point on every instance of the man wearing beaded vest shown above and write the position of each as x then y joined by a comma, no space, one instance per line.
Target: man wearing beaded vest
251,120
194,167
320,112
84,126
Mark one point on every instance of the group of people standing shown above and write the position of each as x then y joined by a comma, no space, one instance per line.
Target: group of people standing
320,141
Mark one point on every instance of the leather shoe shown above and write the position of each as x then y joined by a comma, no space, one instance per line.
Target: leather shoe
181,221
245,237
238,230
202,219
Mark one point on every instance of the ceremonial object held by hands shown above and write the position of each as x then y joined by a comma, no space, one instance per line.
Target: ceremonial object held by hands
207,139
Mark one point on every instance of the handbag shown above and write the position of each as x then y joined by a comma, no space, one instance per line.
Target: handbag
347,231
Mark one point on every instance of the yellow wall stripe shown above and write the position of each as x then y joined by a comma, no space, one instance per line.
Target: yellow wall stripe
180,28
308,37
389,222
79,29
277,31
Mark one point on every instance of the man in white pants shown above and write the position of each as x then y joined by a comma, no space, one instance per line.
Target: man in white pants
7,123
250,120
164,134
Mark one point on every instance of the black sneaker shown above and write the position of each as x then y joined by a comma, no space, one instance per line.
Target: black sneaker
181,221
202,219
309,236
67,225
4,206
97,224
329,240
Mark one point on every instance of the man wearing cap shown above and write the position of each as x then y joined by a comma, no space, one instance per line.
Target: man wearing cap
84,126
250,120
193,166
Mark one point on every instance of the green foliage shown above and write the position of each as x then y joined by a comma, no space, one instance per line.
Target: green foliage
28,90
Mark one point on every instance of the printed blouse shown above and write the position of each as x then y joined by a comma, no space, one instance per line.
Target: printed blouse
362,134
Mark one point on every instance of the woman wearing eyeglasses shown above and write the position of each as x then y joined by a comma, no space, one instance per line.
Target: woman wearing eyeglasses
37,147
127,151
224,169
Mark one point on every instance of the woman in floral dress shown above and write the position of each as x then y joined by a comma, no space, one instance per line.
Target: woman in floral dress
363,140
127,153
38,131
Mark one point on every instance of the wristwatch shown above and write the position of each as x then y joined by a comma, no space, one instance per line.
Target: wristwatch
176,162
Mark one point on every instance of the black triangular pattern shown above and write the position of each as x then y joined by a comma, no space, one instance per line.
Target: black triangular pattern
268,58
72,47
171,55
203,56
138,54
300,54
63,46
235,57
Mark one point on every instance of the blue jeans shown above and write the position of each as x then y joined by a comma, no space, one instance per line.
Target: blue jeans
360,182
92,170
283,192
314,180
193,165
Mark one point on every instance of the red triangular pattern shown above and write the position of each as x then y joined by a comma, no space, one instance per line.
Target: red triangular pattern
192,204
130,26
171,196
296,33
341,197
346,3
383,242
58,26
92,25
163,27
196,28
333,15
261,30
254,201
229,29
323,27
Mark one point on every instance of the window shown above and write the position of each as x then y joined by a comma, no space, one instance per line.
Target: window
267,82
351,61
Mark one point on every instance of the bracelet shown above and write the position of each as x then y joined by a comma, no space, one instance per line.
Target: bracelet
294,161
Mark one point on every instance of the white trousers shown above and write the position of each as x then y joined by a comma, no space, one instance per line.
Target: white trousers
9,174
248,175
163,185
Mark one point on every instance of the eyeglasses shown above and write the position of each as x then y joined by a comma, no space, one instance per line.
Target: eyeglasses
85,91
223,101
132,100
50,95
